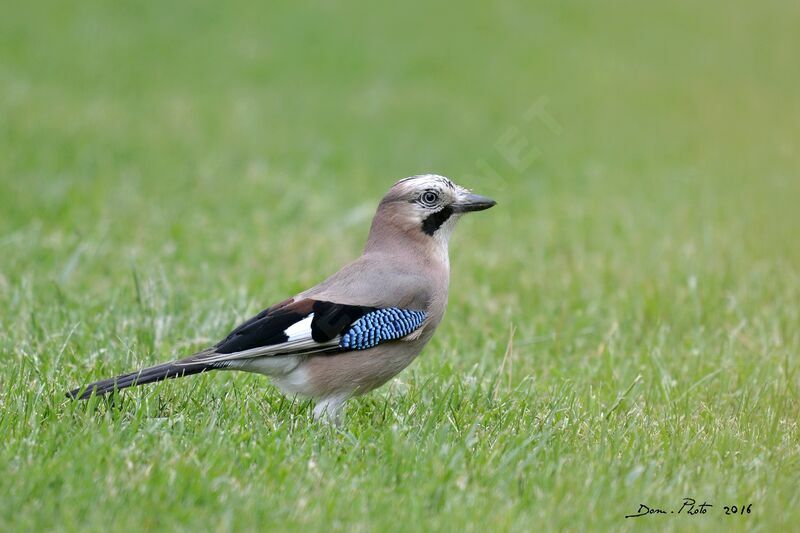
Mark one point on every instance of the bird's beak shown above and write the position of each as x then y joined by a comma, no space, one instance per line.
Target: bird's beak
472,202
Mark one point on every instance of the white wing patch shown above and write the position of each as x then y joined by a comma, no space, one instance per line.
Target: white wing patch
299,330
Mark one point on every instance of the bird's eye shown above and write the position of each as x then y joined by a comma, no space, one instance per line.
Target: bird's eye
429,198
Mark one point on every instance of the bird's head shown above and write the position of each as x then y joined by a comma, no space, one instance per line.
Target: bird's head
427,207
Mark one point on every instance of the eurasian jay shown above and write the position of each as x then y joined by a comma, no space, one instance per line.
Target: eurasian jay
359,328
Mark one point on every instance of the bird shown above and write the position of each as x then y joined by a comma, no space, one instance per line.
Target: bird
357,329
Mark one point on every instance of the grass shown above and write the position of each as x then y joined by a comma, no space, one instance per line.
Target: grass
623,328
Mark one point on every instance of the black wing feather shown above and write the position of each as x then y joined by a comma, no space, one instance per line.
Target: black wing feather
265,329
268,328
332,319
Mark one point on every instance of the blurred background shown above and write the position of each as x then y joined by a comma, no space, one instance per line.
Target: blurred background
168,168
213,129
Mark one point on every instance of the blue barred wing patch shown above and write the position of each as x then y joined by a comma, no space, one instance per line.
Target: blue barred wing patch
380,326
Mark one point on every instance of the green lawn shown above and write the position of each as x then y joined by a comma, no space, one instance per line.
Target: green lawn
623,328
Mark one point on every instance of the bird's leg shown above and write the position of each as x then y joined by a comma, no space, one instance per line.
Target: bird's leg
329,410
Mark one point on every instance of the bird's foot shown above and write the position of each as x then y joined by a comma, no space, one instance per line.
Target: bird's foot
330,410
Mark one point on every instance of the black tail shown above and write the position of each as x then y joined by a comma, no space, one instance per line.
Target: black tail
175,369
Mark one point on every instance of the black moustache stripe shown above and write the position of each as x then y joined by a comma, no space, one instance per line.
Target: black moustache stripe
434,221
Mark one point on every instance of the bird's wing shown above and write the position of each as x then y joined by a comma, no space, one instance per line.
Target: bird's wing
305,326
